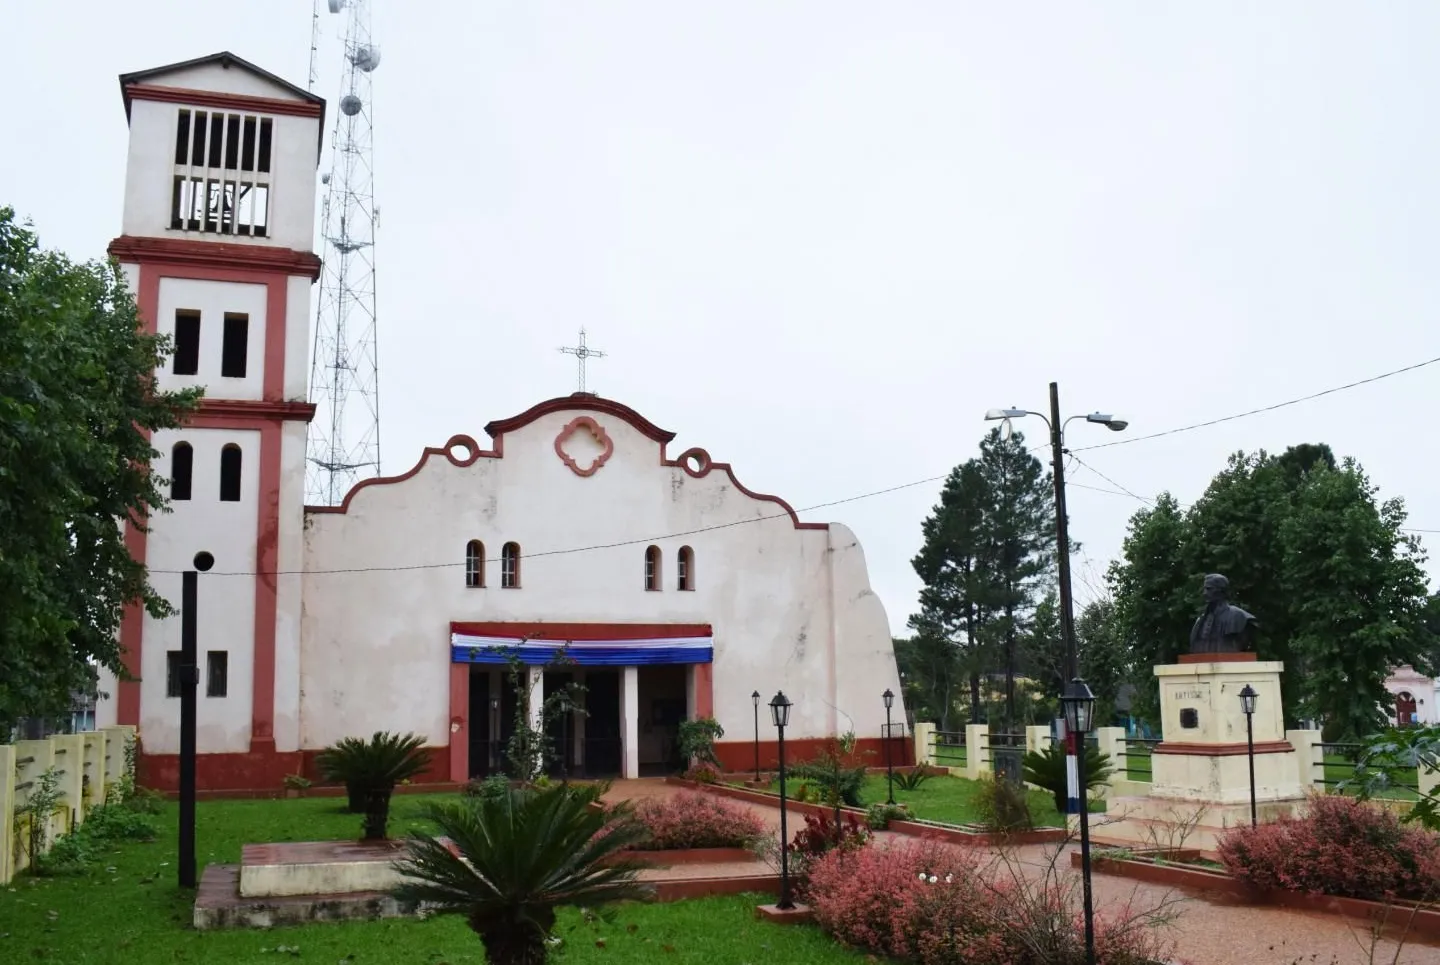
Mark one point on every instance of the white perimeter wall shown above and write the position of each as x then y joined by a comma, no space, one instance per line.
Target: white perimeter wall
375,652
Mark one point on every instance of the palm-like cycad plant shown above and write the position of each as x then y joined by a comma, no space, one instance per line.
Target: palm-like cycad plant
518,858
371,769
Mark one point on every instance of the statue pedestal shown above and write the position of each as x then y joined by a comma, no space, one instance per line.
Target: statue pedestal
1200,773
1204,756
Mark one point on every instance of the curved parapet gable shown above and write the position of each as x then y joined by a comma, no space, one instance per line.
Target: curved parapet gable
462,450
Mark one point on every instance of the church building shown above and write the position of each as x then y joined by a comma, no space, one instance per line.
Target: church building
570,545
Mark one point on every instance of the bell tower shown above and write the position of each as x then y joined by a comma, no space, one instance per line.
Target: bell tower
215,243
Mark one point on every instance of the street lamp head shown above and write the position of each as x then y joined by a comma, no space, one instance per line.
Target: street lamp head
780,709
995,415
1247,699
1113,423
1079,707
755,699
889,698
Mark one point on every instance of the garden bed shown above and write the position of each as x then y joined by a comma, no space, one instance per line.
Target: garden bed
686,856
932,830
1418,922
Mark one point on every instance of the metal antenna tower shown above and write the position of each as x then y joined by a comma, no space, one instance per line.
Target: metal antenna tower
344,440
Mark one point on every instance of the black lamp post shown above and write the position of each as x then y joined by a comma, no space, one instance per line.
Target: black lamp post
1079,716
494,748
189,682
1247,704
755,699
780,715
889,699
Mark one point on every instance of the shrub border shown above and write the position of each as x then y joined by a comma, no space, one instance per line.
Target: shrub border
1425,925
953,834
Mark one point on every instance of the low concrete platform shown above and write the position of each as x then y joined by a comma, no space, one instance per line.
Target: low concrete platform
218,904
286,869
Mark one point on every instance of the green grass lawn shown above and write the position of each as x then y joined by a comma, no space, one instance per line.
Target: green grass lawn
949,800
129,910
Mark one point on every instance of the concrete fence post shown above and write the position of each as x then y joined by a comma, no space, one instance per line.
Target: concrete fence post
1308,758
7,813
924,743
1037,737
69,757
1111,743
977,750
32,759
117,742
94,773
1429,781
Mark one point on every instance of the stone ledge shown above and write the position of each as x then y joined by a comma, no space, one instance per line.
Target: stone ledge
798,915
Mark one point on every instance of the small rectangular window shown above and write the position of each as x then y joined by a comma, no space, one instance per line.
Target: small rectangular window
173,677
217,673
187,341
237,338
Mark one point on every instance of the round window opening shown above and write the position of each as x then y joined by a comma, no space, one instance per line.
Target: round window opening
460,451
695,462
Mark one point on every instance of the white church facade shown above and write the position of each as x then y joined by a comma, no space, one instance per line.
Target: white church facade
673,591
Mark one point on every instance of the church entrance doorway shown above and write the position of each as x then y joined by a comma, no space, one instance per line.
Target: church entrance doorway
663,705
601,745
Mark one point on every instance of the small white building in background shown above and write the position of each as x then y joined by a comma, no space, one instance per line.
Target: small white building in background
1416,697
675,591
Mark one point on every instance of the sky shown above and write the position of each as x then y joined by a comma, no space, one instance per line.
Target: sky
821,239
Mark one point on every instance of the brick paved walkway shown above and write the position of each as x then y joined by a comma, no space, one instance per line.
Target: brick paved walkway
1206,932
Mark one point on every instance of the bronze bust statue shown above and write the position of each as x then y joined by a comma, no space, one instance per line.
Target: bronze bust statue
1222,628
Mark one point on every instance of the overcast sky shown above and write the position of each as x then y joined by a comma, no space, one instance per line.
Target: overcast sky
820,239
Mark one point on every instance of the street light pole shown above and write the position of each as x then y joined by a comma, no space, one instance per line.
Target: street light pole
189,683
780,716
889,699
1247,704
755,699
1079,704
1062,535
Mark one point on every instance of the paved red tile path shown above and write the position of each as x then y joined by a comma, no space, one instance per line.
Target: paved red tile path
1206,932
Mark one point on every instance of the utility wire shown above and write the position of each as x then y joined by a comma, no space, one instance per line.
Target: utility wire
1119,491
1263,409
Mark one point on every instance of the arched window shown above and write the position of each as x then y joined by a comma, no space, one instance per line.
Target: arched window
510,566
182,466
686,566
230,474
474,563
652,568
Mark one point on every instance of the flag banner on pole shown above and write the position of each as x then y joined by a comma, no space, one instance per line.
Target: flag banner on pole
1072,778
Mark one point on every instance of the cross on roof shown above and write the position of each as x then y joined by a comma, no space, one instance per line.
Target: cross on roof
581,353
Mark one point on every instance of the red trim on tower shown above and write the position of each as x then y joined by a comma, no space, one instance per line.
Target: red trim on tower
587,632
211,98
212,411
220,255
267,546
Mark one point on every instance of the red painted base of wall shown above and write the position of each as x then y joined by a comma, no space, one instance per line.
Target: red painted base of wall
258,772
739,756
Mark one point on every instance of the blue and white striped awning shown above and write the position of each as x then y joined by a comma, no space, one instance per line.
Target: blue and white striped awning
616,652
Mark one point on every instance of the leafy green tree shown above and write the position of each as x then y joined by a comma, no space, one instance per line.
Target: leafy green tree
1394,759
933,674
1336,585
1106,658
78,402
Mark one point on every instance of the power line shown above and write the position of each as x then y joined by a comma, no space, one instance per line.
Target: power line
581,549
1119,491
1268,408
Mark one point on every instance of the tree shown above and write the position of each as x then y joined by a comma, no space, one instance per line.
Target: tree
78,402
1336,585
1106,659
952,612
986,561
932,673
1017,544
507,863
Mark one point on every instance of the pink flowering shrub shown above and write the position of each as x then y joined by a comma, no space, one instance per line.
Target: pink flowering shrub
931,904
692,820
1340,847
